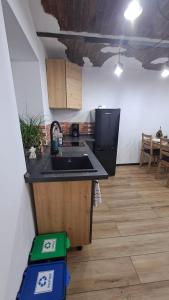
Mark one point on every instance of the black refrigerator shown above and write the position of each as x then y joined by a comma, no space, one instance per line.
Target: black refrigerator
106,138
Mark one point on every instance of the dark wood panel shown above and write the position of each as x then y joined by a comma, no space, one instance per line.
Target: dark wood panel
79,47
106,17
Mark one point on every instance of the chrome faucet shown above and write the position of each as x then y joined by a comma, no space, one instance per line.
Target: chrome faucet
55,129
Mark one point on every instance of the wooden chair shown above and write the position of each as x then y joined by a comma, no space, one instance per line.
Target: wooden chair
164,156
149,150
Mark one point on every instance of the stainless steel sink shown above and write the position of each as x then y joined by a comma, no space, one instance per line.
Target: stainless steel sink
59,164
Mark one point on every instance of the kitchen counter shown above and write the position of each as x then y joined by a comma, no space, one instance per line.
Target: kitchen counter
83,137
35,167
64,201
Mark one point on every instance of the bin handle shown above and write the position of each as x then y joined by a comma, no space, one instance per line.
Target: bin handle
67,277
68,243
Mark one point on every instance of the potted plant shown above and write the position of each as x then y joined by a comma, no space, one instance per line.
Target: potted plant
32,135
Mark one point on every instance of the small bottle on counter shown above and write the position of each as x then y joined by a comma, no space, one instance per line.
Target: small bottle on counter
60,139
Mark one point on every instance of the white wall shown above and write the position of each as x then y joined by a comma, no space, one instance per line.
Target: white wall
22,13
142,96
16,230
28,91
19,47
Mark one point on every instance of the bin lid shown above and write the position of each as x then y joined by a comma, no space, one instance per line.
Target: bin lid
46,281
48,246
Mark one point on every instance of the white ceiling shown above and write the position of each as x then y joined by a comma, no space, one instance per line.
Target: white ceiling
47,23
19,47
43,21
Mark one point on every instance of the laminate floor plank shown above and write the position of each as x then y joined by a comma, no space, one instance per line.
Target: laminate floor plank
105,230
125,214
129,255
139,192
152,267
149,291
150,201
156,225
102,274
110,294
123,246
162,211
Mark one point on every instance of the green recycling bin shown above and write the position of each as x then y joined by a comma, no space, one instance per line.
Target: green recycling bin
48,247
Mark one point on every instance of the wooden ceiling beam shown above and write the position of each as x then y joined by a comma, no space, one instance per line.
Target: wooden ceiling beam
88,39
121,41
59,35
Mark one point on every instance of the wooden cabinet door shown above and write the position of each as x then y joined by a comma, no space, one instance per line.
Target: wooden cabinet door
64,206
74,86
56,80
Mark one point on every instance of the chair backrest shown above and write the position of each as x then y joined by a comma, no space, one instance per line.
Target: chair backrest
147,142
164,148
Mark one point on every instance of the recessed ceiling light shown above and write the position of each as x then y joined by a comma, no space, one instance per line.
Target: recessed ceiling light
165,72
133,10
118,69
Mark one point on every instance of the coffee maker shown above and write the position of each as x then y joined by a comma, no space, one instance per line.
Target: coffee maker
75,130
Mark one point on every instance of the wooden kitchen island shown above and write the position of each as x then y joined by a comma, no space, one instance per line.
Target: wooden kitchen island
63,201
65,206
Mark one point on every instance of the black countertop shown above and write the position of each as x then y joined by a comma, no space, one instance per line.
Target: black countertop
36,166
83,137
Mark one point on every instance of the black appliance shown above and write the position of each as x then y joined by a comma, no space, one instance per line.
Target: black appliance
106,138
75,130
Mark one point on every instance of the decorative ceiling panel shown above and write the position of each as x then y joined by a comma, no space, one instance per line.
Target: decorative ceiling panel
77,49
107,18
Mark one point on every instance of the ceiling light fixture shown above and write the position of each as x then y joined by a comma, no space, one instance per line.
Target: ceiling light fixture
165,72
119,67
133,10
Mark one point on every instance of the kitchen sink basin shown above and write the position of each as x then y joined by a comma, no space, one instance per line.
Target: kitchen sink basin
73,144
59,164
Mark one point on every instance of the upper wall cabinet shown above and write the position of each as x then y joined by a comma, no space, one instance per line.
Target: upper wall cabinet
64,84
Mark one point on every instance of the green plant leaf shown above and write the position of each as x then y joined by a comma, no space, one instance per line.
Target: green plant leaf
31,131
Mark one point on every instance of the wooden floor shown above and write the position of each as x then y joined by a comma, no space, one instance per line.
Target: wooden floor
129,256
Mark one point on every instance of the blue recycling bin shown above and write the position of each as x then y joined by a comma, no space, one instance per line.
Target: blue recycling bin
46,281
